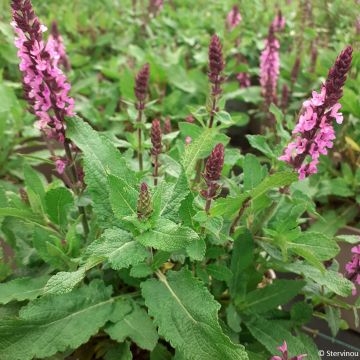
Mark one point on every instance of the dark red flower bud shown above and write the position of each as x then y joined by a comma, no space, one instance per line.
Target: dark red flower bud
141,83
216,61
337,77
214,164
295,70
167,126
144,207
156,137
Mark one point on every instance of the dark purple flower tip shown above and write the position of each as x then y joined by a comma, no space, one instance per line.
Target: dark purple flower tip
216,61
284,97
54,29
144,207
214,164
141,83
295,70
156,136
337,76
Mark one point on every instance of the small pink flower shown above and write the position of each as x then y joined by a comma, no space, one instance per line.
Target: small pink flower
285,356
60,166
188,140
335,114
244,79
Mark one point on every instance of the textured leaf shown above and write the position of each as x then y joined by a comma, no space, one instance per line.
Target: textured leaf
178,193
252,172
259,142
100,158
119,352
123,198
219,272
118,247
331,279
271,335
137,326
57,203
64,282
196,250
241,258
271,296
22,289
25,215
168,236
55,323
188,317
35,189
318,244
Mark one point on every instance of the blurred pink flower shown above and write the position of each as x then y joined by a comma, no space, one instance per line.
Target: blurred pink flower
285,356
233,18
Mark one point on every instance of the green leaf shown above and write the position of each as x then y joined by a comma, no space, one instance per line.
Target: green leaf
22,289
53,324
137,326
25,215
272,334
174,198
123,197
100,158
57,202
253,173
271,296
350,239
117,247
259,142
64,282
241,258
331,279
318,244
35,189
196,250
219,272
333,317
119,352
168,236
188,317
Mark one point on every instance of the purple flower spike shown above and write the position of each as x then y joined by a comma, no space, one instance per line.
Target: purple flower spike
141,85
270,68
233,18
45,86
216,64
353,268
314,132
56,45
156,136
285,356
279,22
244,80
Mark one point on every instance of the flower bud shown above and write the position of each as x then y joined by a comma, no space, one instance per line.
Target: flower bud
144,206
156,136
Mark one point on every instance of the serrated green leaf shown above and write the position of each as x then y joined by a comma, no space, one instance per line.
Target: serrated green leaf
259,142
271,296
272,335
55,323
64,282
219,272
57,202
318,244
331,279
351,239
118,247
252,172
25,215
35,189
22,289
100,158
188,317
119,352
168,236
196,250
333,317
137,326
123,198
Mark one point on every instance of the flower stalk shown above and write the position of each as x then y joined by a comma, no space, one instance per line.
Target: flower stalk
156,136
141,90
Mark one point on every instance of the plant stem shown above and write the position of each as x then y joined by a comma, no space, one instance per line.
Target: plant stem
212,112
239,215
156,170
207,205
140,155
75,180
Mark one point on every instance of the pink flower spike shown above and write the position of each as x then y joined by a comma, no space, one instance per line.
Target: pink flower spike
318,99
356,249
233,18
283,347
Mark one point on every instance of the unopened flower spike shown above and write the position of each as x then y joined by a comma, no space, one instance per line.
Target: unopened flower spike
279,21
244,79
144,206
314,133
270,68
141,85
285,355
167,126
212,173
156,136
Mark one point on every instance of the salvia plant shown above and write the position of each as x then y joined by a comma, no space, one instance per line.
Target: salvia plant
164,241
